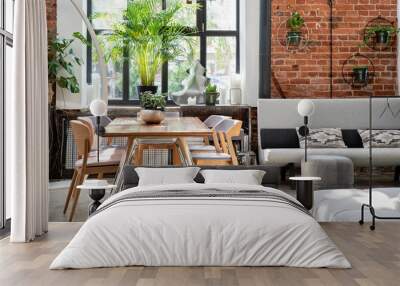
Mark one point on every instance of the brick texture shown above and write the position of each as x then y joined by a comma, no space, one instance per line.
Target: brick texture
305,73
51,7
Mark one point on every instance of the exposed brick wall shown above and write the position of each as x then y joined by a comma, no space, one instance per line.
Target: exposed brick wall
306,73
51,6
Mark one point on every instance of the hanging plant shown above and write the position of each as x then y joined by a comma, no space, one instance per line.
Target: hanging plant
380,34
294,24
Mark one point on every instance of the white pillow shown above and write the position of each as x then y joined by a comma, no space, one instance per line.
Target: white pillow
166,176
247,177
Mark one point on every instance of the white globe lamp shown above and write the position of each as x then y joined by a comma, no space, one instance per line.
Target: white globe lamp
98,108
305,108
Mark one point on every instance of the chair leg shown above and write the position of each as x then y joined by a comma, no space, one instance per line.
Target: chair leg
76,195
70,190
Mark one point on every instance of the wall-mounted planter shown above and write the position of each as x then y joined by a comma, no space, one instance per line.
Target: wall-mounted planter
382,37
379,34
360,75
293,38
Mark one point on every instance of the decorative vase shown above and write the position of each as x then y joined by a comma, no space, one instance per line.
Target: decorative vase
211,98
143,88
360,75
293,38
152,116
382,37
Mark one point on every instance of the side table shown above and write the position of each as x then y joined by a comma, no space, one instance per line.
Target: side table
96,193
304,190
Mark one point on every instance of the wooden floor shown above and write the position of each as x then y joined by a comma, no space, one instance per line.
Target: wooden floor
375,257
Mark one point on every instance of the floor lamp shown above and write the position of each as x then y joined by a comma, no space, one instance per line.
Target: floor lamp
305,108
98,108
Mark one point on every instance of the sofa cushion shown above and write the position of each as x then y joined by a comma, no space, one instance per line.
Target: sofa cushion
279,138
381,138
352,138
322,138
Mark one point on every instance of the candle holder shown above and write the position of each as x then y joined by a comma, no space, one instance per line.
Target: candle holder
235,94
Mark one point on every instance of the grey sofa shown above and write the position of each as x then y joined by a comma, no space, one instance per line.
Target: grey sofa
278,119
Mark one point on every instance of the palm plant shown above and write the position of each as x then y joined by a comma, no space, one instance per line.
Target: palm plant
150,35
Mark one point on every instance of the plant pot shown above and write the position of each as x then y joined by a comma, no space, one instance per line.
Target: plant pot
293,38
360,75
152,116
382,37
211,98
143,88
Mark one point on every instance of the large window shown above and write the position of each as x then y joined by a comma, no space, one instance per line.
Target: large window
216,46
6,43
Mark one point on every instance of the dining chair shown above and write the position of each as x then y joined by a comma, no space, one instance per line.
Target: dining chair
90,121
211,122
225,131
157,143
87,163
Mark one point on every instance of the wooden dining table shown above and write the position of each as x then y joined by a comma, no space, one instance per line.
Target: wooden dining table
133,129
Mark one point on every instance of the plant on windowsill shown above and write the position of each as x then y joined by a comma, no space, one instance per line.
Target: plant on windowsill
153,108
360,75
150,36
61,62
211,94
294,24
380,34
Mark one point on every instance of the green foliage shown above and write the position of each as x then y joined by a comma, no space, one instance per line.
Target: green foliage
62,60
211,88
152,101
150,35
295,22
370,32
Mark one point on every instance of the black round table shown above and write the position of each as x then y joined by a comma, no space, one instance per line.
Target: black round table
305,190
96,193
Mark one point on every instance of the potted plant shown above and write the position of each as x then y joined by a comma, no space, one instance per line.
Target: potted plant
211,94
153,108
150,37
294,23
381,34
360,74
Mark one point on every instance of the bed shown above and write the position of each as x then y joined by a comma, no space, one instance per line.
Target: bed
196,224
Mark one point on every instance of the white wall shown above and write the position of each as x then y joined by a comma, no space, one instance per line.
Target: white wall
249,49
68,22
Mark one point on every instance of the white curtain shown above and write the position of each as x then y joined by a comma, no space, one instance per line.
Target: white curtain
27,124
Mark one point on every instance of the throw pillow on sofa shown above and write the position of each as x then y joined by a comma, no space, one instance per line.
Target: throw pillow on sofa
323,138
381,138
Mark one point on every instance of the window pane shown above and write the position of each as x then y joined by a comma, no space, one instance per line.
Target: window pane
221,15
177,70
186,16
114,71
106,12
9,9
221,59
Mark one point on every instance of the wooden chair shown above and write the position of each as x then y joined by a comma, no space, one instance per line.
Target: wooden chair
158,144
211,122
90,121
225,131
87,163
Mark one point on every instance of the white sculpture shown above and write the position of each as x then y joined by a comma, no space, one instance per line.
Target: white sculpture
193,85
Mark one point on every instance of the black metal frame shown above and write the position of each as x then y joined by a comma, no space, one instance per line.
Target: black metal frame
203,34
264,84
6,39
370,204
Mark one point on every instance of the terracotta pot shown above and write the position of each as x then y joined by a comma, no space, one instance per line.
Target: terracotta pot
152,116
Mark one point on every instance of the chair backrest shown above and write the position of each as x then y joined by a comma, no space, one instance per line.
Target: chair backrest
213,120
82,137
91,122
230,127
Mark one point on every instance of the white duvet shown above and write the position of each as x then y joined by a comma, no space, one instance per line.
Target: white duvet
200,232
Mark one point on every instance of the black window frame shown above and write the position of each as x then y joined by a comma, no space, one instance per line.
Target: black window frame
6,39
203,33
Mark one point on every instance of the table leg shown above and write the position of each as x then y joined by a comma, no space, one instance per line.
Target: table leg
305,193
183,147
126,158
